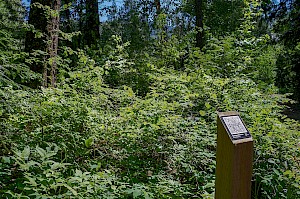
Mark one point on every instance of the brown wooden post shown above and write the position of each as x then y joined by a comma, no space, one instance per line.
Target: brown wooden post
234,157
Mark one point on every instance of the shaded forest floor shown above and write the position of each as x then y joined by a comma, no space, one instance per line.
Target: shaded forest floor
293,111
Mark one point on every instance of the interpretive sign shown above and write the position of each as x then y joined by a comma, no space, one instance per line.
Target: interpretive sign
235,127
234,157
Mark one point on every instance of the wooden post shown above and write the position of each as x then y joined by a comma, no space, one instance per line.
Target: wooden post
234,157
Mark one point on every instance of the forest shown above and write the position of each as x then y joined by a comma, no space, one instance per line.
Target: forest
119,99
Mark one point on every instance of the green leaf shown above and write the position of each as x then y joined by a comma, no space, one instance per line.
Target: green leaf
56,165
41,152
147,196
31,181
202,113
89,142
136,193
78,173
26,152
276,172
71,189
6,159
207,105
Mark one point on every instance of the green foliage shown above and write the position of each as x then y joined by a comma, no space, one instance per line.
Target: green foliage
224,16
160,146
288,70
12,29
143,124
284,17
40,176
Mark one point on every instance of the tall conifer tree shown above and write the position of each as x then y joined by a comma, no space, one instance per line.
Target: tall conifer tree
92,23
199,23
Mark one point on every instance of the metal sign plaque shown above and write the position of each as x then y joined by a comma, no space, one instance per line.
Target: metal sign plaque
235,127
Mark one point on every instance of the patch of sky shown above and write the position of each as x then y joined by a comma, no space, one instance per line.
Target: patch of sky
102,4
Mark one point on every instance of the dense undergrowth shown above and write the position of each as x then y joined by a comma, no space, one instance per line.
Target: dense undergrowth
86,139
127,123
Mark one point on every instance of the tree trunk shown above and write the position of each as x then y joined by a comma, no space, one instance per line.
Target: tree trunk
92,23
53,30
67,16
199,23
158,6
45,73
81,19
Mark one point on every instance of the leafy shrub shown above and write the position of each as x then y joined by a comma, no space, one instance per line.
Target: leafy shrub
97,139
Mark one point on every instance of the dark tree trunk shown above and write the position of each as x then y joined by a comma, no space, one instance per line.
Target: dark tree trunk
38,19
81,19
53,31
67,17
199,23
158,6
92,23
